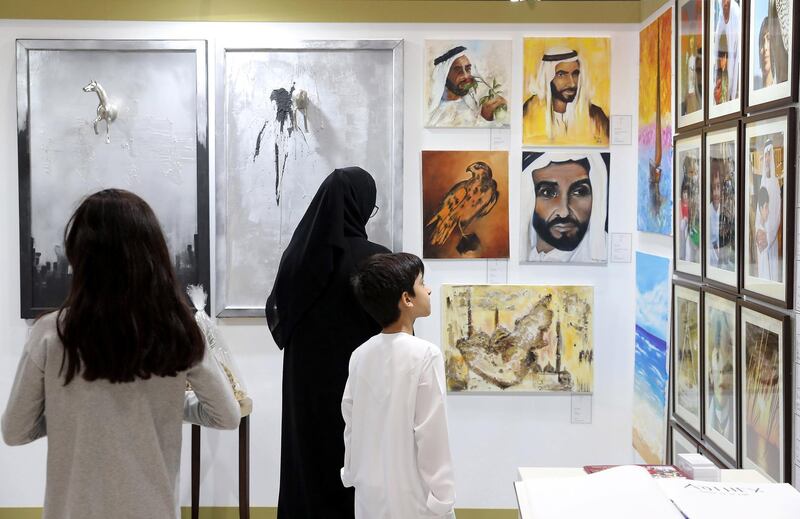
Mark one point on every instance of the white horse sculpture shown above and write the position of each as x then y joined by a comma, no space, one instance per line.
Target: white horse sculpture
105,110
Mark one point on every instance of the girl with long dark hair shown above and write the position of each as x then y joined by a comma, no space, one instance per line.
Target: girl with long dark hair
104,377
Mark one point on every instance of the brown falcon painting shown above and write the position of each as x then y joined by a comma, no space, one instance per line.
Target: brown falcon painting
467,201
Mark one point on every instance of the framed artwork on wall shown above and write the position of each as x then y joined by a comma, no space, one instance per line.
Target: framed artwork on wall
547,231
772,60
567,91
465,204
130,115
722,206
512,338
680,443
769,206
724,59
287,116
689,67
466,83
720,373
689,210
765,382
686,355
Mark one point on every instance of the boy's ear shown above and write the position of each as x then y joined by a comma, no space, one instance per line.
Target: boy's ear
405,299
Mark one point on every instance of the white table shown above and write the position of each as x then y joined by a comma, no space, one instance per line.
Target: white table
528,473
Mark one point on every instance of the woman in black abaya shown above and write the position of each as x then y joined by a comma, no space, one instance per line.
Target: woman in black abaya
316,320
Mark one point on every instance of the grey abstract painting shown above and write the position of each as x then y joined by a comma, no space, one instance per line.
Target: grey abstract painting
109,114
288,117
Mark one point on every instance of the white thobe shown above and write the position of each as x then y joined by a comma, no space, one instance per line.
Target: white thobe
397,452
458,112
580,254
732,31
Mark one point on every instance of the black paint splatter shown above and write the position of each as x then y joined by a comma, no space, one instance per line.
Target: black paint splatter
283,106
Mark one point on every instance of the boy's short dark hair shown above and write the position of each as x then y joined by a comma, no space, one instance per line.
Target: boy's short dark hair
381,280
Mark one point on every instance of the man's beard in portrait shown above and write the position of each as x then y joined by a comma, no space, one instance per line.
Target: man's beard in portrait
566,96
566,243
457,90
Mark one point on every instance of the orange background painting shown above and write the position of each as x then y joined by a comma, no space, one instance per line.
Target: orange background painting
647,71
441,170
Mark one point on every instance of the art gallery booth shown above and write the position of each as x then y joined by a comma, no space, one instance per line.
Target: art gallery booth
665,311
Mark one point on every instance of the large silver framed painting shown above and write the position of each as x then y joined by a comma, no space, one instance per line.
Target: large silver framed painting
287,116
98,114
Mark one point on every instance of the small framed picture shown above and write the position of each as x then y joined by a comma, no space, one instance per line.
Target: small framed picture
689,45
721,206
680,443
765,376
686,355
772,63
768,207
724,63
688,235
719,372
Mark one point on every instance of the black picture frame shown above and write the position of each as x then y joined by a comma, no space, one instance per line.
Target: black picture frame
678,414
695,118
712,440
676,431
682,268
789,173
782,326
754,102
196,255
734,107
715,277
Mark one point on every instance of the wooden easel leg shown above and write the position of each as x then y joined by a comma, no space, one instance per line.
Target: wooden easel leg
195,472
244,468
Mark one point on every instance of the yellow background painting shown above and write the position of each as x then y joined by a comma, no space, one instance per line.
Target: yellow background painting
595,55
518,338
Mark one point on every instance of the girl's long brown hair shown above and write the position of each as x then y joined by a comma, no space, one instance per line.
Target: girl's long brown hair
125,316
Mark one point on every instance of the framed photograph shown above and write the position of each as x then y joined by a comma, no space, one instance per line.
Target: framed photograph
464,204
287,116
577,235
688,235
724,59
722,206
769,207
567,91
772,61
719,373
689,67
467,83
680,443
686,359
100,114
765,382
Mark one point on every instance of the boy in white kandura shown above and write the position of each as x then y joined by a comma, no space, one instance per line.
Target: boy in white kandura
397,453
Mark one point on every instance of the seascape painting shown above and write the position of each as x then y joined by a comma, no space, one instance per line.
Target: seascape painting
518,338
763,422
654,198
289,118
567,91
467,83
128,117
651,362
465,204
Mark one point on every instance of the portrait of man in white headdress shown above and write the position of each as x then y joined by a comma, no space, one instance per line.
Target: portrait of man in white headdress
466,82
566,97
564,196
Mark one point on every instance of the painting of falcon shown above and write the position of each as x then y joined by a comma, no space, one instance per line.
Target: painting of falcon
460,209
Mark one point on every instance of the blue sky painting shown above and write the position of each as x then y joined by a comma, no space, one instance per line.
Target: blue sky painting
651,359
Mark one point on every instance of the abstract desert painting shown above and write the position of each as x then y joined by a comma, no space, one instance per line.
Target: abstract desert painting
518,338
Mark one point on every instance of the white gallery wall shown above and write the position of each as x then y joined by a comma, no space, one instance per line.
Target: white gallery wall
491,435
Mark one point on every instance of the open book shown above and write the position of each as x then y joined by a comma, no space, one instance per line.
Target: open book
629,492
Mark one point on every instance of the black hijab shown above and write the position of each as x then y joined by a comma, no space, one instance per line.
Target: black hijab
319,248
